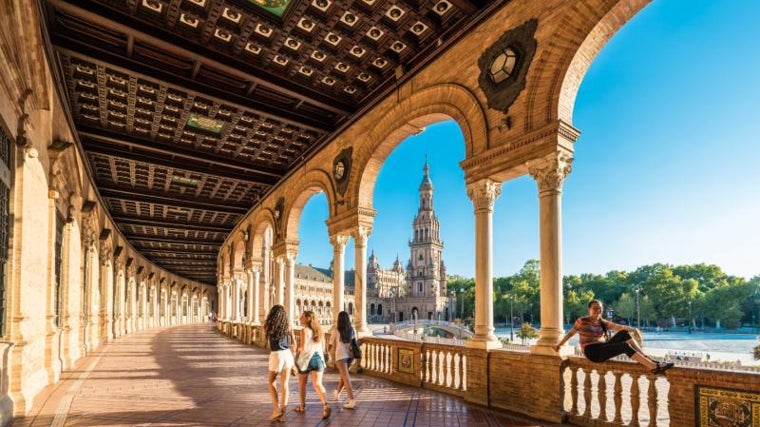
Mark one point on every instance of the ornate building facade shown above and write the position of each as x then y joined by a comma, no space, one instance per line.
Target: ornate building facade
396,295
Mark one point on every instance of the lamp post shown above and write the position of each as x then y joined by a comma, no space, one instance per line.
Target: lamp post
461,312
511,319
393,302
531,314
637,289
689,316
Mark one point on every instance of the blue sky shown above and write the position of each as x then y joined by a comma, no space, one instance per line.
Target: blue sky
665,169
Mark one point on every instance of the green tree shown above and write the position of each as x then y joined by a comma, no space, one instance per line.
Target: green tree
626,308
526,332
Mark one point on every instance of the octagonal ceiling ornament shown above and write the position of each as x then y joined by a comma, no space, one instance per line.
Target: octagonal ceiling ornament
504,65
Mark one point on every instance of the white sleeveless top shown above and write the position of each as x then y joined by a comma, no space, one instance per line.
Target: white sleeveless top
309,345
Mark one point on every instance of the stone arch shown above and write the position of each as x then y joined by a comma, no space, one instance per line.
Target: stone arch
314,182
262,221
409,117
559,69
238,252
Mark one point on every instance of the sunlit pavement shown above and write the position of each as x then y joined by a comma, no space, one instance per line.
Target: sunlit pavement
193,376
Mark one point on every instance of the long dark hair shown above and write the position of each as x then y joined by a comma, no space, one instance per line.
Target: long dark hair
344,327
276,325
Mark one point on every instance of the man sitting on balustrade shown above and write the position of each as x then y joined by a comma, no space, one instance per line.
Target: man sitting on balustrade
597,348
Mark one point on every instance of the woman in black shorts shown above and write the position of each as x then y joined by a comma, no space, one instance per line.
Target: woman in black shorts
597,348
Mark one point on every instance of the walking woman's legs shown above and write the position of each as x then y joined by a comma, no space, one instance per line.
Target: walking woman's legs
272,378
302,388
345,379
284,390
316,382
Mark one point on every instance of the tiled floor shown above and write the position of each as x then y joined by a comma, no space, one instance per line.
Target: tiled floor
194,376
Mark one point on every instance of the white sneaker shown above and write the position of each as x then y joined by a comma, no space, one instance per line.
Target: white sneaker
350,404
336,395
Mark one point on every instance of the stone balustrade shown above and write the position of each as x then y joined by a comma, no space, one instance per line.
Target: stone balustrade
555,389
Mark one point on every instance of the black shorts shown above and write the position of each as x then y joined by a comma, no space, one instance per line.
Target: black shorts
603,351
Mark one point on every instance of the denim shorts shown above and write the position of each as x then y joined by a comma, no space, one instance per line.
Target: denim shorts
315,364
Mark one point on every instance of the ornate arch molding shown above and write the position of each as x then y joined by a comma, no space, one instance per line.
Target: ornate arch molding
27,72
310,184
262,221
410,116
559,69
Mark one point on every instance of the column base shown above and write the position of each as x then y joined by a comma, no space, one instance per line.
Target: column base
485,344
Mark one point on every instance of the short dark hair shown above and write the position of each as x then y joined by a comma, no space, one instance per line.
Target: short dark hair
590,303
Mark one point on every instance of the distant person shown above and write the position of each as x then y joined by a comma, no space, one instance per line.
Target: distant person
280,340
340,342
597,348
310,348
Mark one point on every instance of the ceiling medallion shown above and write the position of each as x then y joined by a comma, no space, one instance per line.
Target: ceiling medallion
504,65
276,7
203,123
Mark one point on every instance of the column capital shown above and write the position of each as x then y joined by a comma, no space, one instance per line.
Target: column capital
483,194
361,234
106,254
339,242
551,171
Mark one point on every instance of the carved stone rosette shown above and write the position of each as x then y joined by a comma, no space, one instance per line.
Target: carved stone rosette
551,172
484,194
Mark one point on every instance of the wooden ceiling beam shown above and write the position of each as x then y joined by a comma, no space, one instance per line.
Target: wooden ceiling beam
172,241
163,223
330,105
170,162
109,192
148,251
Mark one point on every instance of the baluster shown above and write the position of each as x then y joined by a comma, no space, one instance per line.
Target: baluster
423,372
652,401
635,400
437,367
463,362
618,397
447,361
587,394
432,371
389,359
574,390
602,394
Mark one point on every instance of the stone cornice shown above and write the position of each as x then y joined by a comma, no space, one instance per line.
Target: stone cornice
517,152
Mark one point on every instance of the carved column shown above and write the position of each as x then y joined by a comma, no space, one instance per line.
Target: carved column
483,195
265,285
121,283
236,281
290,285
338,242
549,174
279,281
361,235
106,291
254,277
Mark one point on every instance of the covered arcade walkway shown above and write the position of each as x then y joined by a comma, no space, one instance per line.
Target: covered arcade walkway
194,376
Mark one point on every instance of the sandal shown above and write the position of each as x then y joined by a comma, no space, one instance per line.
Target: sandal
298,408
276,417
662,367
326,412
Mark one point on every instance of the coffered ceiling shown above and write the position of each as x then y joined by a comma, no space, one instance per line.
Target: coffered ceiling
189,111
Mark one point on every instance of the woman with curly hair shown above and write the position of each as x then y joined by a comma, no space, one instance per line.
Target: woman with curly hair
311,361
340,343
281,342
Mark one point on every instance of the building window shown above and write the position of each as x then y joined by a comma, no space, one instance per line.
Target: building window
419,286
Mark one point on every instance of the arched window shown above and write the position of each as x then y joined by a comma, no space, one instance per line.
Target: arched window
379,309
372,309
